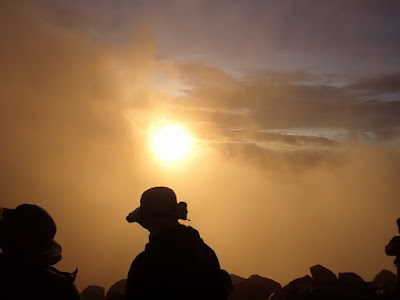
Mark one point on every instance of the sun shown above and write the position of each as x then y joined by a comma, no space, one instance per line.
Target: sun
171,143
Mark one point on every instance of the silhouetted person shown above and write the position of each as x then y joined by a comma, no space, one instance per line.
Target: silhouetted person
28,253
393,249
176,263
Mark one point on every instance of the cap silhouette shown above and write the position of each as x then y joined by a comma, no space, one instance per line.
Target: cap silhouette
158,203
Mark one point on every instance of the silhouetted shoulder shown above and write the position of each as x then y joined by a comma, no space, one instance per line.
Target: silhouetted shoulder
393,248
64,282
180,264
19,280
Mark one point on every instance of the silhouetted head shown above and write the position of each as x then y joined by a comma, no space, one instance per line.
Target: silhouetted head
28,230
158,207
398,224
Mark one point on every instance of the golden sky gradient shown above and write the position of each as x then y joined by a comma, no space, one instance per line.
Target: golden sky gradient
289,167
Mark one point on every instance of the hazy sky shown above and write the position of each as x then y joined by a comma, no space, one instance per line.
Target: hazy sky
293,107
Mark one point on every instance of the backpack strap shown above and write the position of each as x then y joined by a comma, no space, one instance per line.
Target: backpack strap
66,275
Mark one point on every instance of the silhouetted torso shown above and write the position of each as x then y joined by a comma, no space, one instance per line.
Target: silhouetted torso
21,279
176,264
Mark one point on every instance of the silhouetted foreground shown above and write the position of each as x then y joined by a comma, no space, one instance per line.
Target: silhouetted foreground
29,251
176,264
321,285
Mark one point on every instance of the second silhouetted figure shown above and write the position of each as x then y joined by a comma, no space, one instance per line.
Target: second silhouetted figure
29,253
176,263
393,249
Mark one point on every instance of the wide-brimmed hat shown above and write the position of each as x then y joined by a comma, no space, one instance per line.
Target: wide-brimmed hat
29,230
159,203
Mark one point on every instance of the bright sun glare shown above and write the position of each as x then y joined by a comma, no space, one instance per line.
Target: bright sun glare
171,143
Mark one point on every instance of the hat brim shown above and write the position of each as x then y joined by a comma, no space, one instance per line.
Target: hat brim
52,253
134,216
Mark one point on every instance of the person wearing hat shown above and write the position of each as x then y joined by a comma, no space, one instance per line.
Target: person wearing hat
393,249
28,254
176,263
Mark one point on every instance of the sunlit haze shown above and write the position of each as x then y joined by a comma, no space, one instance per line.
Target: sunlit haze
278,122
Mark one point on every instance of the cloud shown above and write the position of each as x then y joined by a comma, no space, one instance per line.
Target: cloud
281,100
386,83
66,144
264,34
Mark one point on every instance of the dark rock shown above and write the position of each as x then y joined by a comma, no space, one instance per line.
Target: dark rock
325,286
335,292
254,288
352,280
93,292
236,279
118,287
322,275
298,288
277,296
303,281
116,296
386,280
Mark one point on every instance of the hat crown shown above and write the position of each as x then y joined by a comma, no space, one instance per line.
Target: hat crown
158,201
30,226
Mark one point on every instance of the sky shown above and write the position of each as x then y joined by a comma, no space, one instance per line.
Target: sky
293,107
